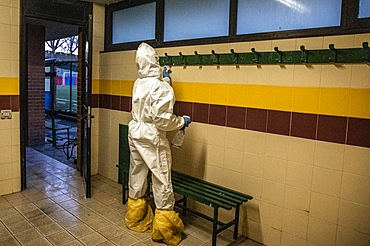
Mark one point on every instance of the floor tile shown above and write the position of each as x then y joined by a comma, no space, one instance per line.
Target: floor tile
53,210
60,238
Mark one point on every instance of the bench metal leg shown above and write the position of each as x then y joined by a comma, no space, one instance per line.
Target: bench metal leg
236,226
184,203
123,194
215,222
124,187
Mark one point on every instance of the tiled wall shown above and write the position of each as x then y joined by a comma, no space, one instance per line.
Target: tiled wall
9,97
98,45
295,137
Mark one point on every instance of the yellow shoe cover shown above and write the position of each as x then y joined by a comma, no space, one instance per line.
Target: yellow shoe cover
167,227
139,215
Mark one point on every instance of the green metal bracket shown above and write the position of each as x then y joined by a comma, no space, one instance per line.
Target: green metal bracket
303,56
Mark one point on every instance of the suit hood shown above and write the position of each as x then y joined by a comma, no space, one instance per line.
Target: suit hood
147,61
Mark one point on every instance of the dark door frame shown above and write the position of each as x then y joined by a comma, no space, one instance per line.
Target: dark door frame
73,12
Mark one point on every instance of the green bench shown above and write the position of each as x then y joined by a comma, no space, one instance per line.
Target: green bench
189,187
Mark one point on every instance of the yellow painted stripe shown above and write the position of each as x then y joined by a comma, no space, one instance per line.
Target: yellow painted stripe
314,100
9,86
113,87
95,86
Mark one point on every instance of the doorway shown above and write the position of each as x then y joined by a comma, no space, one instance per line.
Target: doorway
41,20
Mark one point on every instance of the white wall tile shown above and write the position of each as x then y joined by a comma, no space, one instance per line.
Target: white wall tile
273,192
348,237
341,41
354,216
232,179
234,139
6,137
271,215
252,186
297,199
307,75
299,175
213,174
324,207
290,240
275,169
6,187
295,223
253,164
215,156
326,181
277,146
314,43
216,135
255,142
356,160
8,157
301,150
5,171
321,232
355,188
233,160
269,236
329,155
359,76
336,76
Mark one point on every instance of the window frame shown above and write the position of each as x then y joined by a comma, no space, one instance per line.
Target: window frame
350,24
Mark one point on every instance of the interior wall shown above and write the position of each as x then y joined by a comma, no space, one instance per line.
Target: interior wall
278,133
10,180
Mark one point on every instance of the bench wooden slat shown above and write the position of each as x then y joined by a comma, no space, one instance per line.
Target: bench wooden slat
214,200
214,187
197,197
204,191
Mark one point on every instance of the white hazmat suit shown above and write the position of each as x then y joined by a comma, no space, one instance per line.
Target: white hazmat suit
152,116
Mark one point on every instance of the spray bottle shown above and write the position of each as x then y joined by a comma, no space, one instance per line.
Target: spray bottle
179,137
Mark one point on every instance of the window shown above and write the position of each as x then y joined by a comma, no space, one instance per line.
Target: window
166,23
364,9
259,16
195,19
134,24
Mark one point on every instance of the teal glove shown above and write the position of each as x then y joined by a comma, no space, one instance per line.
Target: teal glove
166,72
187,121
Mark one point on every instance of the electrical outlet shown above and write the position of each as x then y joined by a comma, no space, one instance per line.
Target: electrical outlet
6,114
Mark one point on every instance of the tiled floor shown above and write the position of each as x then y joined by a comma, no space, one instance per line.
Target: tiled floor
53,211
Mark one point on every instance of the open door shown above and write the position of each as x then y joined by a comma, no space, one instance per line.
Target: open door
84,108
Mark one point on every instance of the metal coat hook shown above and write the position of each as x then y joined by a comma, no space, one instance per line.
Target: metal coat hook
256,58
182,58
365,46
169,59
334,53
304,54
199,57
235,56
215,57
280,60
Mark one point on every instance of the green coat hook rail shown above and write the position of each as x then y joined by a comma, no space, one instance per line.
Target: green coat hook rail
302,56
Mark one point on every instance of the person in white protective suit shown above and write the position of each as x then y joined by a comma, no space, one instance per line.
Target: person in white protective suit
152,116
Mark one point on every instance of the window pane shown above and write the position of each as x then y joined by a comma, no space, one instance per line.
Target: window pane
134,24
195,19
257,16
364,9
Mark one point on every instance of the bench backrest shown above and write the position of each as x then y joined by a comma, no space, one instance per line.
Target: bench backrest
124,150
